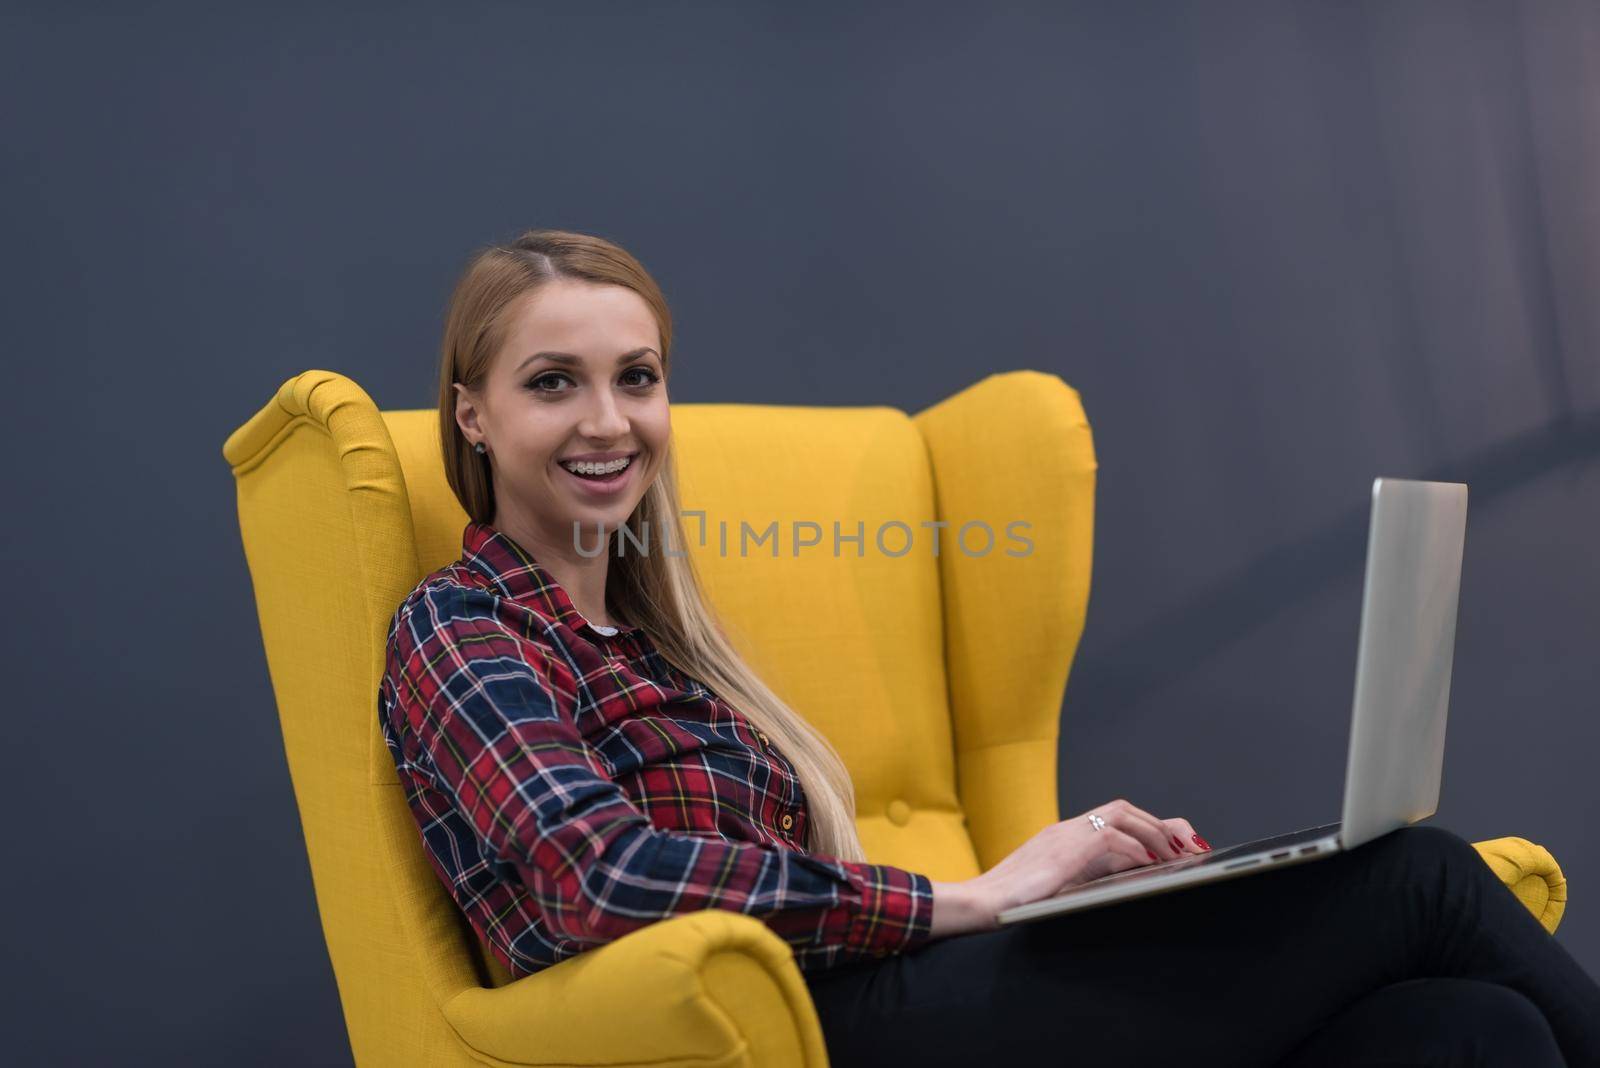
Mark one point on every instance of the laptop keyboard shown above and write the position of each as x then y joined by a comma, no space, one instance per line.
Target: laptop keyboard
1309,834
1216,856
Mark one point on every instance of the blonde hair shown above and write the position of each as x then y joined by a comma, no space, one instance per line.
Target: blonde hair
658,592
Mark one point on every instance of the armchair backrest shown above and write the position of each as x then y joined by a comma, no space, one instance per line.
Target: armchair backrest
937,677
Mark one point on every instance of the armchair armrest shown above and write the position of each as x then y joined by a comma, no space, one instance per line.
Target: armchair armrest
710,988
1531,873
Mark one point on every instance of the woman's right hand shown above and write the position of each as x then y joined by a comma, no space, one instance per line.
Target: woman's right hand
1062,855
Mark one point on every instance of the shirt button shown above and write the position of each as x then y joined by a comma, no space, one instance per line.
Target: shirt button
763,738
787,821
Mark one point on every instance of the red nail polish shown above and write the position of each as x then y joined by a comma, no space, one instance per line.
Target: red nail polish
1177,844
1151,855
1202,843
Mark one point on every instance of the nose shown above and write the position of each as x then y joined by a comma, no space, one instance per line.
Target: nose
603,419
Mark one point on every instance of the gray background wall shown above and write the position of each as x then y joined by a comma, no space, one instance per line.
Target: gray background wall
1280,248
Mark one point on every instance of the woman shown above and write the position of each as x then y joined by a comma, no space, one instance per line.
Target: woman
585,754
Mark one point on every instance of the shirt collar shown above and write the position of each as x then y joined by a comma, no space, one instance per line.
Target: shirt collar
494,556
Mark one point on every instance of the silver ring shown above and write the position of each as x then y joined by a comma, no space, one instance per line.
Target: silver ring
1095,821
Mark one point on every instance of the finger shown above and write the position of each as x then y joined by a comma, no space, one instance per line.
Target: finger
1119,814
1176,840
1148,829
1121,846
1124,816
1193,842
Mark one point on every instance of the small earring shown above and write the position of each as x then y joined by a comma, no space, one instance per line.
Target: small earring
479,448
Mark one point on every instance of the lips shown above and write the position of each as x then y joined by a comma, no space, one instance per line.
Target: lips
602,487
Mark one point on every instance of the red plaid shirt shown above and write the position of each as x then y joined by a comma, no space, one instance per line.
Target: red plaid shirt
571,786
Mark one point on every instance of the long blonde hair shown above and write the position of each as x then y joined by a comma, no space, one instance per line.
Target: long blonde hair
658,592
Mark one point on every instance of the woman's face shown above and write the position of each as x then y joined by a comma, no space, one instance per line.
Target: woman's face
579,378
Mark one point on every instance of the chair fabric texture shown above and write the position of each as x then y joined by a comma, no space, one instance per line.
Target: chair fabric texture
945,675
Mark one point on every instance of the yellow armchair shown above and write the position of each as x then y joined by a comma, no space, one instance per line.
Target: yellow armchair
943,691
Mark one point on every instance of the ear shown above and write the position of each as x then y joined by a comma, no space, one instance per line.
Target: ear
467,414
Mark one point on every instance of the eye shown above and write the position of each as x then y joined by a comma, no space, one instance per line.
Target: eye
650,377
533,384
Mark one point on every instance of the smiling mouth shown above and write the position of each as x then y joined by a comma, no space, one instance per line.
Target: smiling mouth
600,472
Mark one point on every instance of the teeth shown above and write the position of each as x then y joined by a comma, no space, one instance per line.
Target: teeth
583,468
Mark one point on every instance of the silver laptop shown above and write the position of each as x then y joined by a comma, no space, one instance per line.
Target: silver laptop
1403,661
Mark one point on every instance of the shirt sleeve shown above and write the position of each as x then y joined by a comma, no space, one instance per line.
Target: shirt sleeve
490,712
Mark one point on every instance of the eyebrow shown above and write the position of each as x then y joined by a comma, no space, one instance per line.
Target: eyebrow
569,359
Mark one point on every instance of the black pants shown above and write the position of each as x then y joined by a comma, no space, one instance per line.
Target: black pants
1405,951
